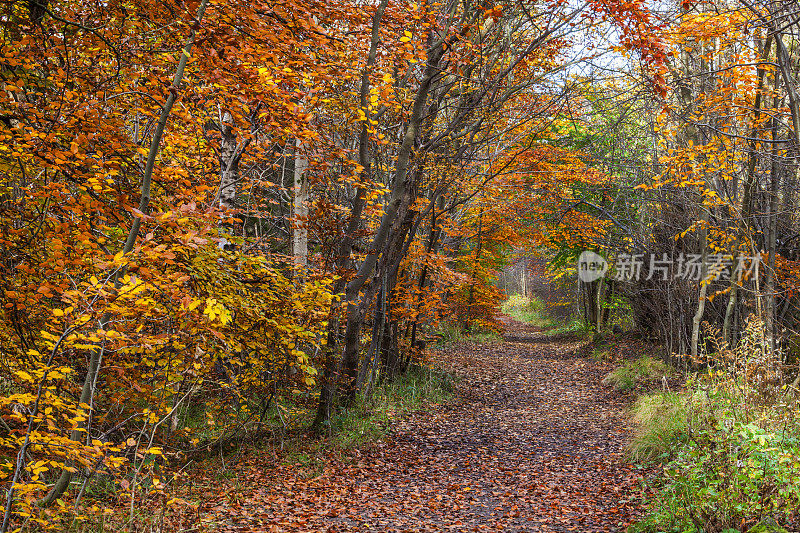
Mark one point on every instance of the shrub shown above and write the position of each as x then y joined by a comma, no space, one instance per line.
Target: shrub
730,444
740,478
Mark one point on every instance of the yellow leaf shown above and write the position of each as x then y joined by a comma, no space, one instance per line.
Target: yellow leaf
24,375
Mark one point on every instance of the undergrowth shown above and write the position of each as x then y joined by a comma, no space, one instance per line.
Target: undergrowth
369,420
371,417
729,446
662,425
534,312
451,333
575,326
633,372
528,310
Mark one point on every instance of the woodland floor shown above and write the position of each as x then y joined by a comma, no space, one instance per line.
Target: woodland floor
531,442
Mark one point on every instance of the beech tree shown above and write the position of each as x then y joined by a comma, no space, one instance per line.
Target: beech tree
207,209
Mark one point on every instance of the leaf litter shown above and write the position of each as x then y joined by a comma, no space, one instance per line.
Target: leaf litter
531,442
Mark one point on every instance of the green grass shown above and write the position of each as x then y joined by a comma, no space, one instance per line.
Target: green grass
575,326
534,312
450,333
367,421
600,353
662,424
726,466
484,337
720,472
631,373
371,417
528,310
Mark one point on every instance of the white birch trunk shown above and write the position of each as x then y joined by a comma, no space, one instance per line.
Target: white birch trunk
229,155
300,208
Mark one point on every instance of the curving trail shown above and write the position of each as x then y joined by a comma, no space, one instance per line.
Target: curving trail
532,442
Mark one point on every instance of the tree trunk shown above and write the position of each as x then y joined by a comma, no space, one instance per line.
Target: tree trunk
300,192
433,238
478,250
590,303
401,199
330,368
88,389
728,331
701,299
599,303
772,225
230,153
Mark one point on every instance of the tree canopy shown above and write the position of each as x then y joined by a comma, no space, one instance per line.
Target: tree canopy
209,206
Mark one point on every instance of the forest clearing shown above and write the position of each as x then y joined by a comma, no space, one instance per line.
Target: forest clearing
306,265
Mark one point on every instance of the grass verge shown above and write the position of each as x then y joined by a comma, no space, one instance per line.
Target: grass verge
728,447
637,371
371,417
662,425
528,310
450,333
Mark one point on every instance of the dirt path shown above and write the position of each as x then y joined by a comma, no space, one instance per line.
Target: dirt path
532,442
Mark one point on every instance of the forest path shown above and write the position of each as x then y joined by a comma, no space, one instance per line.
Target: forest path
531,442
